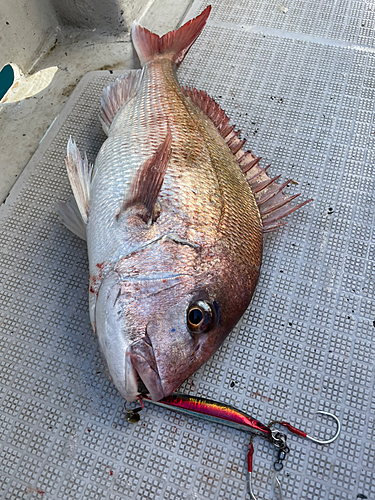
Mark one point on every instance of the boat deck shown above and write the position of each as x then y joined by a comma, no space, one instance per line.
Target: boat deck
299,81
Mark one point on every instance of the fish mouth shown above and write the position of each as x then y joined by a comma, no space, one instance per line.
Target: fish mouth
142,359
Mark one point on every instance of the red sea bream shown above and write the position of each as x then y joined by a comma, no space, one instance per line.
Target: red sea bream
174,212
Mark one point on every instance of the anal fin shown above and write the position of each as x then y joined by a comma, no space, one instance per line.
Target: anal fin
148,181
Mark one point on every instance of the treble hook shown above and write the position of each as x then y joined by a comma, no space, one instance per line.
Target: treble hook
315,440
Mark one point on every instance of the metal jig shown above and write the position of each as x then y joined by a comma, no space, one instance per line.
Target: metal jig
213,411
228,415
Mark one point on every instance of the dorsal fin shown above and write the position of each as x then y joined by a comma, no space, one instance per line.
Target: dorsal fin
148,181
116,94
273,204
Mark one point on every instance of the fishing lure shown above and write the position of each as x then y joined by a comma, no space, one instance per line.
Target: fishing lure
221,413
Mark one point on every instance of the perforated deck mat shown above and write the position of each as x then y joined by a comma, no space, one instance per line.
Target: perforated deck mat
300,85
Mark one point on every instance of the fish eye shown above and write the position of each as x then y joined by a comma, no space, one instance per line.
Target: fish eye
195,316
201,317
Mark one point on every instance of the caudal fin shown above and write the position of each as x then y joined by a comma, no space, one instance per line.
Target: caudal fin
176,43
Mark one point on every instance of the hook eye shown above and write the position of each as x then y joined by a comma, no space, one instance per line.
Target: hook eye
333,438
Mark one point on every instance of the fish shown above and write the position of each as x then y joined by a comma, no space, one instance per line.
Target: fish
173,210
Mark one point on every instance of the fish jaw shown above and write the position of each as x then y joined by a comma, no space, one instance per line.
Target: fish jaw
174,347
169,353
179,352
162,356
142,359
113,341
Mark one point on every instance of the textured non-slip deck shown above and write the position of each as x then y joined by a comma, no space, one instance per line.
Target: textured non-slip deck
301,86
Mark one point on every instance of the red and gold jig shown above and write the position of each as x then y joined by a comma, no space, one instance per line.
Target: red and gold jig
220,413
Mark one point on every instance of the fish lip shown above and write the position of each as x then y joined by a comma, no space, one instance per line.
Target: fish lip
144,364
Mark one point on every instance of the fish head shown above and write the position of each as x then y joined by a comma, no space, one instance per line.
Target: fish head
185,335
126,307
156,330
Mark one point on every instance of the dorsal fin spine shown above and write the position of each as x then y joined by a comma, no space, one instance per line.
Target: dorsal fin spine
251,180
265,189
265,184
272,193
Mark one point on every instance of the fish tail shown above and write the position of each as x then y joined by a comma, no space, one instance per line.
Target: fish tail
175,43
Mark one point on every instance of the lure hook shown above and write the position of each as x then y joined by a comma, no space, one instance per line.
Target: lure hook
293,429
333,438
250,468
277,487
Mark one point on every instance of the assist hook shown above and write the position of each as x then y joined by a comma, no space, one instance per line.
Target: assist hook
276,482
311,438
333,438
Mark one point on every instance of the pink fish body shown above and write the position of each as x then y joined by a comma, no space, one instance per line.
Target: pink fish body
173,211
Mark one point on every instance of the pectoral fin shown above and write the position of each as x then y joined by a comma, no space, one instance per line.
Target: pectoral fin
148,182
71,217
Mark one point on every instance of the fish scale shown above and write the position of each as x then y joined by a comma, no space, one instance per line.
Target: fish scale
174,232
126,150
149,115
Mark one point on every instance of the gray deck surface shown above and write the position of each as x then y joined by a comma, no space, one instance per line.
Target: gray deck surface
301,86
